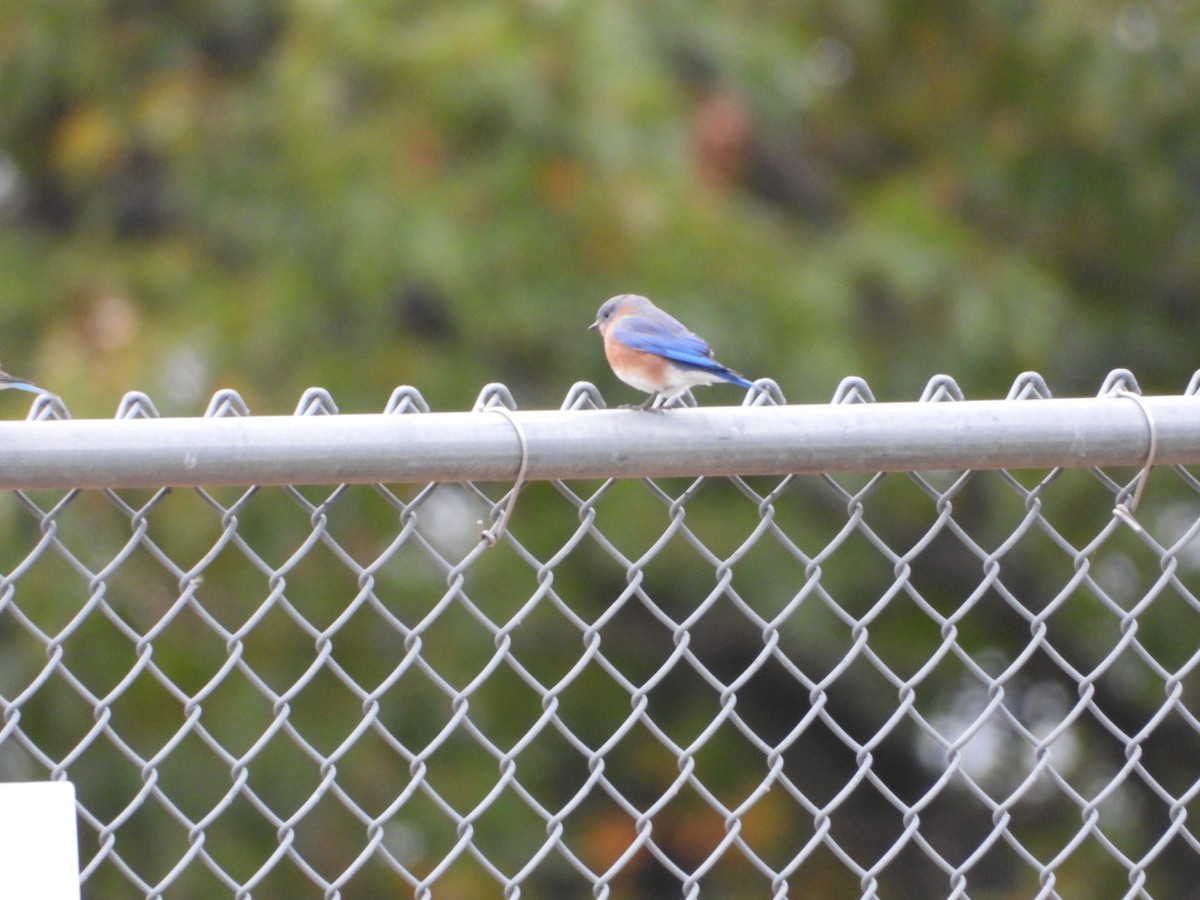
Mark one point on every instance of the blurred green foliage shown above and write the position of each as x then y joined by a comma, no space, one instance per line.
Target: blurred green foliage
277,194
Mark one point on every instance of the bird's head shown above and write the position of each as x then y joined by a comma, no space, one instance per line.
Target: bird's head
615,307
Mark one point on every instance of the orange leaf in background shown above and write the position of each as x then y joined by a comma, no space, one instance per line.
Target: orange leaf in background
721,136
560,181
608,835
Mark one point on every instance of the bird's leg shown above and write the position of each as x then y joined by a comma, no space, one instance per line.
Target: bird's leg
647,405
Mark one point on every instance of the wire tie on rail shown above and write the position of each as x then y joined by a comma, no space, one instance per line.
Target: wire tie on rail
493,534
1124,511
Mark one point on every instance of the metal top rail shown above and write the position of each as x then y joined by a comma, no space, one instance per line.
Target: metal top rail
229,447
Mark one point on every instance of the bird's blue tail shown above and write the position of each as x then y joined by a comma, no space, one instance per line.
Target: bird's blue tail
734,378
711,365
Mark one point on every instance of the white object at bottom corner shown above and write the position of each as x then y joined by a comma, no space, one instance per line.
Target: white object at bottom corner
39,851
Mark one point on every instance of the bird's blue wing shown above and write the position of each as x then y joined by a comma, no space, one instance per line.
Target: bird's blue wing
665,338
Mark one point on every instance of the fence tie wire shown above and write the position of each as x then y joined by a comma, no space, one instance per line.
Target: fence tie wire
493,534
1125,509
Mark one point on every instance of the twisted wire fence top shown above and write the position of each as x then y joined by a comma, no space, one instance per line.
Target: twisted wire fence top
903,650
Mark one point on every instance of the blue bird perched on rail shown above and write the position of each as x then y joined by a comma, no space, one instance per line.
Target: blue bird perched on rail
654,352
19,384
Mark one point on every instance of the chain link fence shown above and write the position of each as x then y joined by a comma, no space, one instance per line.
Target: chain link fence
965,681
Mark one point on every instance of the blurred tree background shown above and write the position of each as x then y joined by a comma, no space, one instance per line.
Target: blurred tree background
273,194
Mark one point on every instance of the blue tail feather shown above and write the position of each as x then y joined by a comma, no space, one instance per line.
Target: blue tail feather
711,365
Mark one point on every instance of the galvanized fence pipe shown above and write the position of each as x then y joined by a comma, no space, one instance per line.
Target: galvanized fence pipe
565,444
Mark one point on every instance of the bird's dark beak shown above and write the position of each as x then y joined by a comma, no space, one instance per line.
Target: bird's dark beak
594,326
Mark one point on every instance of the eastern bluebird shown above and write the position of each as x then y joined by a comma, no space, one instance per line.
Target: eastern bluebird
654,352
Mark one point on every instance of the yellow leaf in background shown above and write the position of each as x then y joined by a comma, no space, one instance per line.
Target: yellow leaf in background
87,143
169,108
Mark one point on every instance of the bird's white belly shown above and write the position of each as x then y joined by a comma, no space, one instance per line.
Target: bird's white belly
677,380
636,379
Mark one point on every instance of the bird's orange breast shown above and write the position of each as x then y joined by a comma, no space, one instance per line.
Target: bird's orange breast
647,372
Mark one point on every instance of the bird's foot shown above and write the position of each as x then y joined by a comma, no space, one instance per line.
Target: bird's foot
642,407
650,404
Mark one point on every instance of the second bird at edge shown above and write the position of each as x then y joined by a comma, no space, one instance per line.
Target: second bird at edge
12,382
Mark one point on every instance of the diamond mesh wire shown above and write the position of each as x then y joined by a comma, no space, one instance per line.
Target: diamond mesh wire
894,685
